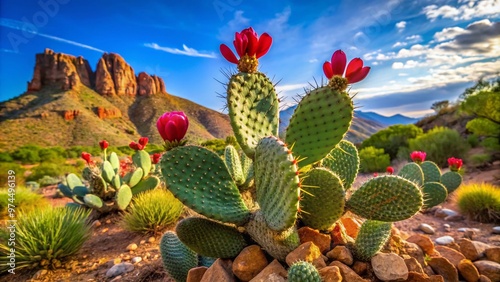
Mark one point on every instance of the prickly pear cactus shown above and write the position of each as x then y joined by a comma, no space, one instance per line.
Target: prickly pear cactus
451,180
177,258
303,271
371,238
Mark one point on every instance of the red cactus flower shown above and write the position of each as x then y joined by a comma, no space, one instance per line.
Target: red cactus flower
136,146
418,156
104,144
455,164
143,141
172,126
155,158
390,170
375,174
355,71
86,156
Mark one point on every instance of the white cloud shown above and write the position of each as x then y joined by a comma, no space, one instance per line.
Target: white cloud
470,10
237,23
397,65
414,38
448,33
402,74
399,44
313,60
401,25
186,51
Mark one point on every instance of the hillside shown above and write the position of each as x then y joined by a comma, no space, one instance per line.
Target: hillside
450,117
386,121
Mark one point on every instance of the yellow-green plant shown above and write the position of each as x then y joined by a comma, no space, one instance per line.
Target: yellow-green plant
152,211
479,201
24,200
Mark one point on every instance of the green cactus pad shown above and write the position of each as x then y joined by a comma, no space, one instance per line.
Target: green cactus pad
434,194
146,184
135,177
116,182
80,191
371,238
277,183
386,198
210,238
177,258
248,174
233,163
87,173
343,160
78,199
108,173
303,271
65,190
72,181
323,204
97,185
142,159
93,201
206,261
319,122
277,244
123,197
451,180
199,179
432,173
412,172
114,161
253,109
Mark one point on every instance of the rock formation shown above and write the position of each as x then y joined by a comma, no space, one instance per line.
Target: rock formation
112,70
104,113
71,114
148,85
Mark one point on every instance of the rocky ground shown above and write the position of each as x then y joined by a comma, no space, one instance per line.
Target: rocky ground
430,245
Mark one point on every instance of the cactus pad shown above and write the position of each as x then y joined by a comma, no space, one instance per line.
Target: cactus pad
319,122
142,159
72,181
303,271
123,197
93,201
253,109
80,191
323,204
233,163
210,238
451,180
136,177
277,183
371,238
386,198
108,173
434,194
412,172
343,160
177,258
432,173
199,178
146,184
114,161
65,190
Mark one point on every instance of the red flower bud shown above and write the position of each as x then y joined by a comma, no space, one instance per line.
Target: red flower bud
143,141
455,164
136,146
104,144
172,126
418,156
155,158
86,156
390,170
375,174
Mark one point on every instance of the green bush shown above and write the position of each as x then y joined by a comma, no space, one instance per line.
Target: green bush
22,198
53,155
479,160
373,160
4,173
440,143
44,237
393,138
152,211
6,157
480,202
52,170
473,140
48,180
27,154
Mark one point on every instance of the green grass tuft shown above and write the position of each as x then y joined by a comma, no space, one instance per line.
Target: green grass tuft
480,202
23,199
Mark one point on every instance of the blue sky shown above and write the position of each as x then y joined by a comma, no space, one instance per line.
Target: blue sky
420,51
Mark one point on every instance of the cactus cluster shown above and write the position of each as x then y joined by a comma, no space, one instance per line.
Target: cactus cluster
301,180
110,189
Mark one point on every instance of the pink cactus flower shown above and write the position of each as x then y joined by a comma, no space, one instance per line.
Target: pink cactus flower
355,71
418,156
172,126
247,43
455,164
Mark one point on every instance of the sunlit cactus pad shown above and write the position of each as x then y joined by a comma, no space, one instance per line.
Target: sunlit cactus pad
343,160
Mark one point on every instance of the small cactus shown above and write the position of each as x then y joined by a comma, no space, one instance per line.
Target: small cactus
303,271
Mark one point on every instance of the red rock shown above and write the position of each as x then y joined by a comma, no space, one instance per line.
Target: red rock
493,254
104,113
347,273
452,255
468,270
424,242
417,277
444,267
330,274
322,241
219,271
339,235
360,267
473,250
351,225
413,265
342,254
196,274
250,262
489,269
71,114
270,271
115,76
306,252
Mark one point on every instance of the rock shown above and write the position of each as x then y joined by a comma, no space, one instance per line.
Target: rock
96,223
465,229
142,242
414,251
493,254
70,114
444,267
360,267
446,227
119,269
454,218
114,76
450,254
437,278
424,242
330,274
347,273
112,262
220,270
413,265
473,250
417,277
342,254
136,260
351,225
483,278
196,274
306,252
444,240
339,234
388,267
489,269
132,247
151,239
149,85
39,274
249,263
323,241
270,272
444,213
426,228
107,113
468,271
496,230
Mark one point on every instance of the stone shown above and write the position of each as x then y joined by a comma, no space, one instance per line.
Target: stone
342,254
270,272
347,273
495,230
388,267
444,240
468,271
220,270
473,250
351,225
413,265
96,223
489,269
136,260
483,278
149,85
465,229
339,234
424,242
493,254
414,251
456,217
446,227
112,262
114,76
142,242
250,261
450,254
330,274
323,241
39,274
444,213
417,277
360,267
444,267
426,228
108,113
437,278
132,247
119,269
195,274
151,239
306,252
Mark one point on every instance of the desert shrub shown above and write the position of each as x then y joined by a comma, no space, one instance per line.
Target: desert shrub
52,155
50,169
479,160
152,211
44,237
440,143
6,157
27,154
480,202
393,138
473,140
4,173
373,160
48,180
491,143
23,199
